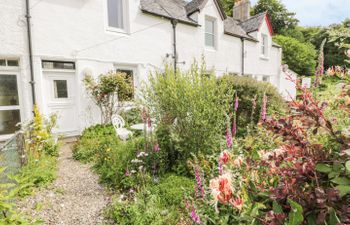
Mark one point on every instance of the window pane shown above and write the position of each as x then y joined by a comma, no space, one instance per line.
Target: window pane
209,26
12,62
209,40
60,88
8,90
115,13
58,65
8,121
2,62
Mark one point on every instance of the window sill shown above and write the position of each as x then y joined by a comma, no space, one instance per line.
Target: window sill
210,49
117,31
266,58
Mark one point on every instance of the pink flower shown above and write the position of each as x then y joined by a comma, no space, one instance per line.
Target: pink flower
195,216
156,148
224,157
127,173
238,162
220,168
199,182
234,127
228,138
236,103
238,203
264,108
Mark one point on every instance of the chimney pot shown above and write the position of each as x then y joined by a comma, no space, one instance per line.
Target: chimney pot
241,10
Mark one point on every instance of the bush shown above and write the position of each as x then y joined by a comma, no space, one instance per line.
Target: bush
91,140
301,57
192,106
155,204
247,89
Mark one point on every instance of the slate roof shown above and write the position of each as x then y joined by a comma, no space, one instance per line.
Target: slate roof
254,23
171,9
181,10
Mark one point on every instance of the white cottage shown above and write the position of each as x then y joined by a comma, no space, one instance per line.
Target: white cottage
47,46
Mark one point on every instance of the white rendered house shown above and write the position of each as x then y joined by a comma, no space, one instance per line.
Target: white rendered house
47,46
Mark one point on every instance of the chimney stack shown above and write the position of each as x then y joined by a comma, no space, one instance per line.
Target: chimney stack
241,10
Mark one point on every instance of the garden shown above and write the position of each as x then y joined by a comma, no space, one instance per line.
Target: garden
225,150
39,151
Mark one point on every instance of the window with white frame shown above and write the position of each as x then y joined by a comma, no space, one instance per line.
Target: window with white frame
9,98
210,32
116,11
264,45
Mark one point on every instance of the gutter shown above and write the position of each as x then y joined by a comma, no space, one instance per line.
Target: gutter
30,49
174,23
242,57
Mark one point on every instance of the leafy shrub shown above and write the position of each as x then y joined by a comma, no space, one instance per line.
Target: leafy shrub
192,106
300,57
172,189
247,90
91,140
132,116
107,91
113,159
155,204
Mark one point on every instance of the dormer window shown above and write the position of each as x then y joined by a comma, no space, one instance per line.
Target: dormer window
117,15
210,32
264,45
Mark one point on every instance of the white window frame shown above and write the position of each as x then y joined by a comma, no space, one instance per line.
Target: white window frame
13,71
126,21
213,20
264,50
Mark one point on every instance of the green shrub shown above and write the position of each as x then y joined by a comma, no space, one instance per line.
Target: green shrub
113,159
172,189
91,140
300,57
192,106
247,89
132,116
155,204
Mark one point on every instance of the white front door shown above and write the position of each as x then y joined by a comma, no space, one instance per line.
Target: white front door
61,100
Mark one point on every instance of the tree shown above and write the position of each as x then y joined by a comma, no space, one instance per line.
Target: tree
281,18
228,6
299,56
108,91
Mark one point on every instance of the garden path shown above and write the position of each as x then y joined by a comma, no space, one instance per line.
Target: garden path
75,197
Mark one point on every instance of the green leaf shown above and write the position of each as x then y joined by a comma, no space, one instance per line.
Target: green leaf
341,180
333,218
323,168
296,213
311,219
333,174
347,152
343,190
276,207
347,166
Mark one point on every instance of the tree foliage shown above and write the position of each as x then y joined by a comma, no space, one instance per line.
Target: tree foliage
281,18
299,56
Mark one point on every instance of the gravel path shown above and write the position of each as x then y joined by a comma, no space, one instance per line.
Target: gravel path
75,197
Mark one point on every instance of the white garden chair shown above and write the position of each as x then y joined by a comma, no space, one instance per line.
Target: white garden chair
118,124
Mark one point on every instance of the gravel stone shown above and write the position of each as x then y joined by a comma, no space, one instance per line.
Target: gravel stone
74,198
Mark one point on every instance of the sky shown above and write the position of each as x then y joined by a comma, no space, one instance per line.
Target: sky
318,12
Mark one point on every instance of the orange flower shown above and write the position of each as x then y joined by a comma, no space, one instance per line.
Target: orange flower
221,188
224,157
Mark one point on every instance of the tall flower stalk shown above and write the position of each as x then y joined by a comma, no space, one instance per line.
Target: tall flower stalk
263,108
320,67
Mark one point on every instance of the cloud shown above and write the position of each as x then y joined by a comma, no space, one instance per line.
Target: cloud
318,12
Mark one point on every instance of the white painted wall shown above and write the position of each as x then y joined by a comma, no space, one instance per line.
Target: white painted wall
76,31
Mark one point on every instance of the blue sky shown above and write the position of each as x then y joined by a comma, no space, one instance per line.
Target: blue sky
318,12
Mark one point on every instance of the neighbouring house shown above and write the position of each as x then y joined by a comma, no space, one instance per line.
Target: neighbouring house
48,46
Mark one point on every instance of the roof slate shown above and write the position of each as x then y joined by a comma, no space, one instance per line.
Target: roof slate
181,10
253,24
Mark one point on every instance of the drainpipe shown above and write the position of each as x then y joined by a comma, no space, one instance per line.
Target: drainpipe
30,49
242,56
174,23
